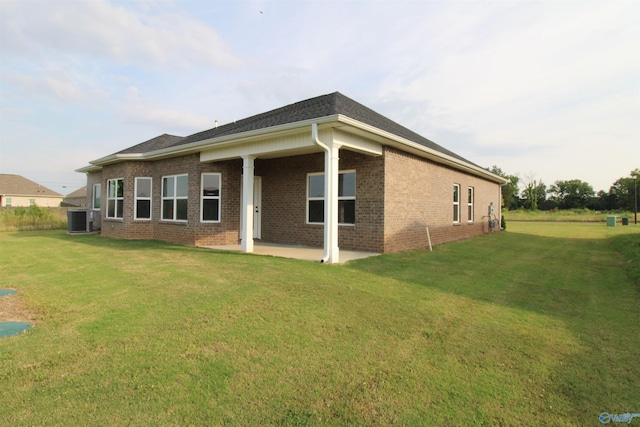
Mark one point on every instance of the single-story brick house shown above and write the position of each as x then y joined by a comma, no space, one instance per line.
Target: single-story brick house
18,191
264,177
77,198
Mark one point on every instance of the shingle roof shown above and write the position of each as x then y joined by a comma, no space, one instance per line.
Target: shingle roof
80,192
157,143
17,185
314,108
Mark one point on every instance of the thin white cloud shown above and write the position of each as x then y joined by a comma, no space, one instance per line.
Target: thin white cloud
137,109
51,87
111,32
528,85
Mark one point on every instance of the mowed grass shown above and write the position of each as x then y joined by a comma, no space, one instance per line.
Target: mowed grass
536,326
565,215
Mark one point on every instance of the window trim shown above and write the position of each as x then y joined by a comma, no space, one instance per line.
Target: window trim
470,201
456,204
309,199
117,200
203,198
96,206
340,198
174,197
136,198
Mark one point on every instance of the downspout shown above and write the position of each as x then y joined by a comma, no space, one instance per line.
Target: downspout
500,201
327,186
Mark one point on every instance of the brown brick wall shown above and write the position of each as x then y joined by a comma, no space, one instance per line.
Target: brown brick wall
419,194
391,214
192,232
284,201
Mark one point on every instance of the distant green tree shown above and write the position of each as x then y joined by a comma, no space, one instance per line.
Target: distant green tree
510,199
621,193
601,202
572,194
533,193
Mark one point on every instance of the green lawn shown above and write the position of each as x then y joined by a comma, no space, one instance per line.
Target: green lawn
566,215
536,326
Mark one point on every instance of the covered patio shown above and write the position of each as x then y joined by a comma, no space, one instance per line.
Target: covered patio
290,140
306,253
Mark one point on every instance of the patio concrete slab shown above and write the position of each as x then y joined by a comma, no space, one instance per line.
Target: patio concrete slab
306,253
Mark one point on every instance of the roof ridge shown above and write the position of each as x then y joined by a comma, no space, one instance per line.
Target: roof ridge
330,104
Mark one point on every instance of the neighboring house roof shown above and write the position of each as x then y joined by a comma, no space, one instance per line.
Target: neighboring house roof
79,193
16,185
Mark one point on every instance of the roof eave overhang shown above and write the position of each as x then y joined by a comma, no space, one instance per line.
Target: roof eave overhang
420,150
197,146
88,169
337,120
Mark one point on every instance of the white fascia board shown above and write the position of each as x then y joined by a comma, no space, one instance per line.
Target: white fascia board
423,151
357,143
90,168
197,146
271,132
274,131
297,141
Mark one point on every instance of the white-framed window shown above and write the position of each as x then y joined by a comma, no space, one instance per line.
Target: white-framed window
142,205
96,196
8,202
175,197
470,204
346,198
210,197
115,198
456,203
32,202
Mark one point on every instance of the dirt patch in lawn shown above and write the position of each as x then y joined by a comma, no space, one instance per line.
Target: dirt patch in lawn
13,309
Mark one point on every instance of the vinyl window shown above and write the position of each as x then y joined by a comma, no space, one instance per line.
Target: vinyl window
97,194
210,197
470,204
175,197
456,203
142,204
346,198
115,198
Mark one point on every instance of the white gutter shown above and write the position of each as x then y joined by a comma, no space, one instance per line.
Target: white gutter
431,153
400,143
90,168
204,144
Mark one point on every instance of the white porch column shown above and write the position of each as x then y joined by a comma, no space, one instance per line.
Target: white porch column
247,203
332,157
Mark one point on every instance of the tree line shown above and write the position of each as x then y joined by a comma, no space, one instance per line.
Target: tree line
569,194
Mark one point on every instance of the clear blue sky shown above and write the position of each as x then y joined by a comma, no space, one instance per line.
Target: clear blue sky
547,90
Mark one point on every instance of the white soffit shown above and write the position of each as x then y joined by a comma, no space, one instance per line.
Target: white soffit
290,145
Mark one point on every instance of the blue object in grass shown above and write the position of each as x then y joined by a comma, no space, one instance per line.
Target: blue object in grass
13,328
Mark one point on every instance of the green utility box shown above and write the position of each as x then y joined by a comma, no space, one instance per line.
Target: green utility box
611,221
